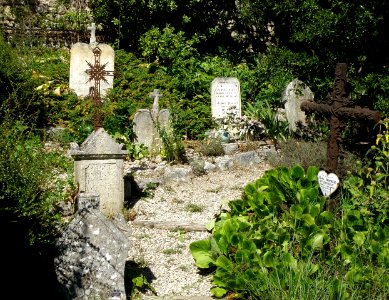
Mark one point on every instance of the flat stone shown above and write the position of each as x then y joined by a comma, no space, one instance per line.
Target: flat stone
247,159
230,148
177,173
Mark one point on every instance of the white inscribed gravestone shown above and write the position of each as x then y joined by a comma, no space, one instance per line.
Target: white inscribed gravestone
225,97
80,54
296,93
328,182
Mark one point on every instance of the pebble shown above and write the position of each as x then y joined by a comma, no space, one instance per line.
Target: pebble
165,253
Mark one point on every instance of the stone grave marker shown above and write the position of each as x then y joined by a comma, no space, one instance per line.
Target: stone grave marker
336,107
80,55
98,169
296,93
92,253
146,122
225,97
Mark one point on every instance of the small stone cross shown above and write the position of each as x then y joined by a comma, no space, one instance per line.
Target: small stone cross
156,95
92,29
336,107
97,73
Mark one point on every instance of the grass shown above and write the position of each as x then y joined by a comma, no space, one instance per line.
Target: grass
171,251
194,208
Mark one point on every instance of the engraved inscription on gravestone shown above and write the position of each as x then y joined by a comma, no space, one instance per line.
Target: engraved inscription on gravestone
225,97
98,180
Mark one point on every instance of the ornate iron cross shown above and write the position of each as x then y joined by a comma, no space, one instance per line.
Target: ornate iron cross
336,107
97,73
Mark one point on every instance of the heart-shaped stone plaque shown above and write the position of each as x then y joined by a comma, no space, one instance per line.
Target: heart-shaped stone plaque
328,182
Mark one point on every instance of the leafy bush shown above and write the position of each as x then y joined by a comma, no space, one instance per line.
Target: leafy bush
274,127
31,187
211,147
291,152
279,233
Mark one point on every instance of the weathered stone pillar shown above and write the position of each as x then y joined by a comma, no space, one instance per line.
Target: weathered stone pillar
98,169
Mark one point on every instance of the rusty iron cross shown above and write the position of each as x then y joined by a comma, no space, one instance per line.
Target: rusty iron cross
336,107
97,73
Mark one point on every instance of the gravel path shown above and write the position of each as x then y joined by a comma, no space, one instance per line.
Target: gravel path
165,252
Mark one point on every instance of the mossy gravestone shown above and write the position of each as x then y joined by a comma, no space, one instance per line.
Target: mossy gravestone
92,253
147,122
296,93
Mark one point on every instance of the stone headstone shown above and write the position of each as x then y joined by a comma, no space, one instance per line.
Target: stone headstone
98,169
92,253
225,97
80,54
328,182
296,93
146,123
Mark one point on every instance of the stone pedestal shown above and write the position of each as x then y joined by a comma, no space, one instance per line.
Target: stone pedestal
98,169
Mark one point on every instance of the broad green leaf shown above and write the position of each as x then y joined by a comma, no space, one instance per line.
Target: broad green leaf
138,281
308,219
318,241
312,173
268,259
218,292
224,263
201,252
359,238
210,225
326,217
296,211
315,210
297,172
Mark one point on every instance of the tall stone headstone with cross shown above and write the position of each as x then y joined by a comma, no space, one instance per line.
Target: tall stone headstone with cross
296,93
147,121
338,108
92,254
98,169
80,55
225,97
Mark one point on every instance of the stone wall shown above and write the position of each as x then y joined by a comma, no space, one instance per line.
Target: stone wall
45,22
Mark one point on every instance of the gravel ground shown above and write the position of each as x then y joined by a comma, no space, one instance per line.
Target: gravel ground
165,252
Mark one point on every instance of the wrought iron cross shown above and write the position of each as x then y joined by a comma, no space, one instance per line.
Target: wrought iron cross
336,107
97,73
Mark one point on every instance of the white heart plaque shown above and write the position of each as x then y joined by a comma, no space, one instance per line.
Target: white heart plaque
328,182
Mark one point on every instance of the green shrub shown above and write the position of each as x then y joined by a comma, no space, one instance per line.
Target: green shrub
292,152
211,147
31,187
274,128
278,241
173,149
